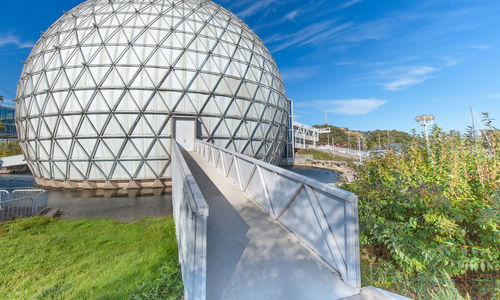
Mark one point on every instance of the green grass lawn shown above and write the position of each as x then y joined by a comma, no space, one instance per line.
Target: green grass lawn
319,155
42,258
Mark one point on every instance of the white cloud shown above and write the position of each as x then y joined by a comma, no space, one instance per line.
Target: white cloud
255,7
371,30
291,15
298,73
14,40
326,34
494,96
346,107
308,35
349,3
345,63
481,47
406,77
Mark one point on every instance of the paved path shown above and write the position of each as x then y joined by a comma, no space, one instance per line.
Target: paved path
249,256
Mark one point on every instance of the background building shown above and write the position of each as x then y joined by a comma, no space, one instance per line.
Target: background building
109,85
7,120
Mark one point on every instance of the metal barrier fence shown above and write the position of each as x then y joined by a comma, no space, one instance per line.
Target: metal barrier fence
21,203
190,215
351,152
322,217
4,195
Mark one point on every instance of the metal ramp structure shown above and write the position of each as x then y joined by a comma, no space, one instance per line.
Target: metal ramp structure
303,133
250,230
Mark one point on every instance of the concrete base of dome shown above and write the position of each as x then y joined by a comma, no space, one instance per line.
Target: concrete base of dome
104,185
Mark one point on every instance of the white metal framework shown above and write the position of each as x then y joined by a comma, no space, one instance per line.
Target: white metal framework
99,91
303,133
322,217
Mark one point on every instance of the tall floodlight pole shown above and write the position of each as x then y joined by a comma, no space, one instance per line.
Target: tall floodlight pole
425,121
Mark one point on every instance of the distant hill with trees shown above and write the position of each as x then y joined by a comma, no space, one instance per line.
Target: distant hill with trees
344,137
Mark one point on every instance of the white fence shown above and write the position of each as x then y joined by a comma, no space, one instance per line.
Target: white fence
190,215
351,152
322,217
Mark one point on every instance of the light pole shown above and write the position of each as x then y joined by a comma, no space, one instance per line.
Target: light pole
425,121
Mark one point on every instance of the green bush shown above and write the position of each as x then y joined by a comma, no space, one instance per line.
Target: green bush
9,148
432,208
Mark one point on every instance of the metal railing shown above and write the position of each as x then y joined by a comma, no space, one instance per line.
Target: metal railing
322,217
190,216
21,203
351,152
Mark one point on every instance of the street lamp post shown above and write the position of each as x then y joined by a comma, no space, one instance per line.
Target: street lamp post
425,121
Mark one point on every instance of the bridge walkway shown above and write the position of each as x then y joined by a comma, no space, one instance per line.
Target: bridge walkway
249,256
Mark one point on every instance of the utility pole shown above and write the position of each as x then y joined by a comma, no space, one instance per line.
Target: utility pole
379,141
349,140
473,126
359,149
425,121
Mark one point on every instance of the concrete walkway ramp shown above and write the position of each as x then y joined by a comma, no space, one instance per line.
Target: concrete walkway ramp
249,255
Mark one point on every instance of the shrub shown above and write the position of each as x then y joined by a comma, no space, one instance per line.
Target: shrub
433,207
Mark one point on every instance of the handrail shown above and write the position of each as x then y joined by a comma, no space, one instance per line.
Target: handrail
344,150
4,194
5,203
340,193
324,218
197,203
190,215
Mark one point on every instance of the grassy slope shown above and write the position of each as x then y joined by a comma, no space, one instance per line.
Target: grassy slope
47,258
319,155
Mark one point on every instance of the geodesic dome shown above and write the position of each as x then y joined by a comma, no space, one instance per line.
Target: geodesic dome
100,90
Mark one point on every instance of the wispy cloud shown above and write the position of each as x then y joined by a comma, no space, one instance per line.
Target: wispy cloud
291,15
345,63
14,40
408,76
298,73
331,32
450,61
371,30
346,107
481,47
255,7
494,96
308,35
350,3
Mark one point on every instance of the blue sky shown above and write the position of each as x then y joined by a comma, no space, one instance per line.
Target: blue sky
369,64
